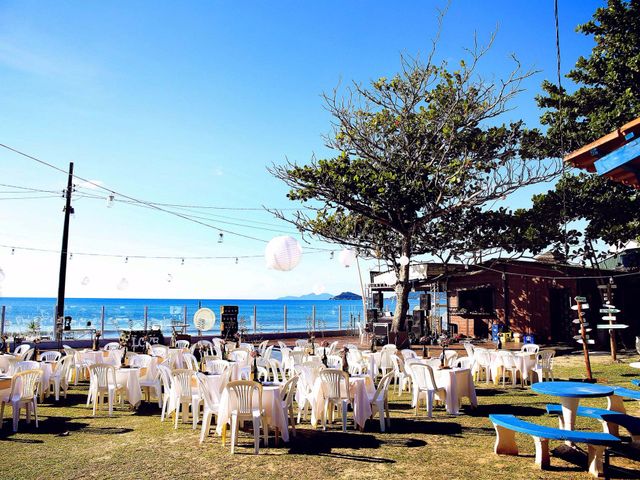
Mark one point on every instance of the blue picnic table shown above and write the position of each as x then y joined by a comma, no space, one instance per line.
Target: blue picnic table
569,395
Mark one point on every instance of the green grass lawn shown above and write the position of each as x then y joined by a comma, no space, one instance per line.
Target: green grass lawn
135,444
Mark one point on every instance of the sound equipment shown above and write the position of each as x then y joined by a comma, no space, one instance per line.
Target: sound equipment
425,301
228,321
378,300
67,323
417,326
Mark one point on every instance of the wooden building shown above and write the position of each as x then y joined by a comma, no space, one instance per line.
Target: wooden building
528,297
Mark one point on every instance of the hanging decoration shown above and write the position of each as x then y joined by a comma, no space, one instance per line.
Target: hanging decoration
123,284
85,281
347,257
403,260
283,253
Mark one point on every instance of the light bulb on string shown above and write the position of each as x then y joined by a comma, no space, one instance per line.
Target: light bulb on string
220,237
71,256
85,281
331,256
123,284
182,262
110,200
126,259
169,278
236,260
13,251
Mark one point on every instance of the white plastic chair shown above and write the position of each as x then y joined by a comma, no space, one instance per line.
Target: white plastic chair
407,353
161,351
401,378
182,381
216,366
112,346
302,343
263,347
380,401
277,371
21,352
183,344
266,354
482,360
530,348
240,356
50,356
60,376
464,362
509,366
544,365
23,393
26,365
190,361
469,347
165,378
364,335
211,406
102,382
76,367
424,385
335,384
450,358
288,393
334,361
242,398
386,363
150,381
11,364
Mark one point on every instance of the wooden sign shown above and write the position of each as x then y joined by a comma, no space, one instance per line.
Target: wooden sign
590,342
610,318
581,299
609,310
584,306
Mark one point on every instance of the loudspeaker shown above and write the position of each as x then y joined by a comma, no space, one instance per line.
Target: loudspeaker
378,300
418,323
425,301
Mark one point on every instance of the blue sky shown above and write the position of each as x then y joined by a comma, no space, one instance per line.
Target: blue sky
188,102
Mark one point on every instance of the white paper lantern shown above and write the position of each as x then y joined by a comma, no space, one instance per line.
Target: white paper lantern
347,257
1,275
85,281
124,284
283,253
404,260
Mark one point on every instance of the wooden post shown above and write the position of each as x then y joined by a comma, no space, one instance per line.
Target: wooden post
612,332
2,314
62,279
102,320
285,319
255,319
146,317
585,347
339,317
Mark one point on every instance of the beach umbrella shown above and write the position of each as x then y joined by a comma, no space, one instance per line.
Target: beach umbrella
283,253
347,257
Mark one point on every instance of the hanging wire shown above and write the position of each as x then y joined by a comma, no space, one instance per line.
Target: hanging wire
563,213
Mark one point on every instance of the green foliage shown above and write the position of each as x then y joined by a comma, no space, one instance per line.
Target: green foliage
608,93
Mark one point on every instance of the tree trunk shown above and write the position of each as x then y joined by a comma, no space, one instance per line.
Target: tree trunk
402,289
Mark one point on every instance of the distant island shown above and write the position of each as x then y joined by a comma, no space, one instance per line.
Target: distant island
324,296
347,296
309,296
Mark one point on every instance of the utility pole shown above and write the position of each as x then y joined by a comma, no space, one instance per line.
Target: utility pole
68,210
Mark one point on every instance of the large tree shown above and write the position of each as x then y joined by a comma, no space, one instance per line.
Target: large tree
414,152
606,96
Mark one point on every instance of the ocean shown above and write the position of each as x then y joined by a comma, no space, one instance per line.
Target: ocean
21,313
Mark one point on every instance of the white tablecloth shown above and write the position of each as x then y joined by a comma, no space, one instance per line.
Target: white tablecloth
275,413
130,378
458,382
361,389
4,362
524,361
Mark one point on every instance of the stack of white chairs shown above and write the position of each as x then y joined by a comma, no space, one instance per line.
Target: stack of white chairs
211,405
22,394
288,393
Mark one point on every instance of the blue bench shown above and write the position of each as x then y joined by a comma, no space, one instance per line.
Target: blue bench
507,425
636,382
615,401
610,419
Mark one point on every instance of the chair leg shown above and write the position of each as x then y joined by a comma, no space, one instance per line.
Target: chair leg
381,415
234,433
256,435
265,430
35,411
110,396
16,416
344,416
176,415
206,425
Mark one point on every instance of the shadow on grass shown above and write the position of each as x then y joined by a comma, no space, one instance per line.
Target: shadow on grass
60,426
325,444
424,426
517,410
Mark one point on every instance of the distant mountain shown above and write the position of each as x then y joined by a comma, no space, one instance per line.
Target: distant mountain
347,296
309,296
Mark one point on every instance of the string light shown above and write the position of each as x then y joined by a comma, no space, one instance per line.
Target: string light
126,259
110,200
236,260
182,261
220,237
330,255
13,251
